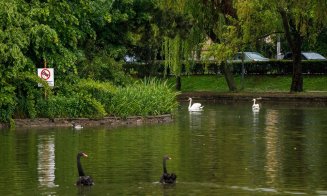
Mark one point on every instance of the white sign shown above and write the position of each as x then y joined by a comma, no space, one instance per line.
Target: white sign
46,74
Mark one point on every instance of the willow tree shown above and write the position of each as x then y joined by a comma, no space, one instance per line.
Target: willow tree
299,21
229,43
209,17
179,45
221,28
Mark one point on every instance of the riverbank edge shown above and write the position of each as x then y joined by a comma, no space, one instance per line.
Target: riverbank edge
306,98
317,98
88,122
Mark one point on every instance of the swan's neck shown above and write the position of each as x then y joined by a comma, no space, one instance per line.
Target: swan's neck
190,104
253,101
79,167
164,166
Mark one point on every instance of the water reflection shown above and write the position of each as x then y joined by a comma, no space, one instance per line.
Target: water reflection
294,125
272,145
46,160
255,115
224,150
84,190
195,120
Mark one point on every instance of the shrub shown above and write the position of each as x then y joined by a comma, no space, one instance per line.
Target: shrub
7,102
104,67
17,97
70,107
101,91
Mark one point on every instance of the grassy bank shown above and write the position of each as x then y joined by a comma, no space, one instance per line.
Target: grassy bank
253,83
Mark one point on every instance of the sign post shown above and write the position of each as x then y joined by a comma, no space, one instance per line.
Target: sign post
46,74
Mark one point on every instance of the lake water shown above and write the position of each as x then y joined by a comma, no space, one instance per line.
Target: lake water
224,150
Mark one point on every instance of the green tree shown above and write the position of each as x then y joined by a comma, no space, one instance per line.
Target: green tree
208,19
289,16
14,65
181,36
33,34
233,25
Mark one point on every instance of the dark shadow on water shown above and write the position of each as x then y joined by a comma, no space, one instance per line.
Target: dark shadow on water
84,190
168,189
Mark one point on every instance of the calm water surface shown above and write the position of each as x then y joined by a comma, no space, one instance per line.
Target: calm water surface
224,150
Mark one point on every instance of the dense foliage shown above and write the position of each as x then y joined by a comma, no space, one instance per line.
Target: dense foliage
84,41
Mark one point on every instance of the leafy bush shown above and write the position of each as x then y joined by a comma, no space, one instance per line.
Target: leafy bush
104,67
17,97
101,91
149,97
7,102
70,107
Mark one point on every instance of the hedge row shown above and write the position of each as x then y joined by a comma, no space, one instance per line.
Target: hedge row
277,67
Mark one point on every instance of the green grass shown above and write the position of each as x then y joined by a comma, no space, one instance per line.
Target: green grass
252,83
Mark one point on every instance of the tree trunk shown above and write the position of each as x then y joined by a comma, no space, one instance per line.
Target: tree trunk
224,67
294,40
178,83
297,77
228,76
225,7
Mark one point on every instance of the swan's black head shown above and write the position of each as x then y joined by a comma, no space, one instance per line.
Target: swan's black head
81,154
166,157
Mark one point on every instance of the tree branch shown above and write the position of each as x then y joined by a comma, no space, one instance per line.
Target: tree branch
286,25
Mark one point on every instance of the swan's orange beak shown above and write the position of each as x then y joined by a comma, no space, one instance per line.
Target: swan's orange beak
84,155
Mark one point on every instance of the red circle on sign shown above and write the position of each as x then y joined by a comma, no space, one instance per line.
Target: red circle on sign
45,74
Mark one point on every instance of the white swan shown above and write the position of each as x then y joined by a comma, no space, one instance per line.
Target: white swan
255,106
195,107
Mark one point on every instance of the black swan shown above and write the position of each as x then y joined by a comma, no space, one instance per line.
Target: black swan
83,180
166,177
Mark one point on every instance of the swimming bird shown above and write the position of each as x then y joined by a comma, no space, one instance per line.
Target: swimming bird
82,180
255,106
195,107
167,178
77,126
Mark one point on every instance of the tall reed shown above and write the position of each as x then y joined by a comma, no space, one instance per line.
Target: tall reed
143,98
